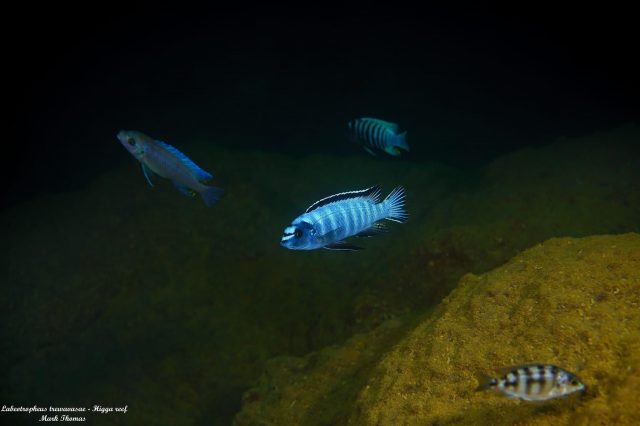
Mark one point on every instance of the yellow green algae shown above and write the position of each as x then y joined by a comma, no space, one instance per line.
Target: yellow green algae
118,293
570,302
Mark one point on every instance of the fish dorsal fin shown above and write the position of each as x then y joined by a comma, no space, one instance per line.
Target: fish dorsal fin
512,369
200,174
372,193
391,126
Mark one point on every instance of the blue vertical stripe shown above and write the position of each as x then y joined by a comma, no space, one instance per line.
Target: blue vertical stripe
351,216
342,217
315,218
348,214
360,217
373,134
364,130
380,135
331,220
366,210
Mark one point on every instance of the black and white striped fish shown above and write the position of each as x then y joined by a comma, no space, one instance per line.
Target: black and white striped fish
533,382
378,136
328,222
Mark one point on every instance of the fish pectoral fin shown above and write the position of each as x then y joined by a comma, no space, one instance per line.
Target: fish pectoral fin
342,245
393,150
147,172
370,151
184,190
331,236
377,228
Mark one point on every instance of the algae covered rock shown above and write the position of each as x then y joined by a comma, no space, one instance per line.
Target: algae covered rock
319,388
570,302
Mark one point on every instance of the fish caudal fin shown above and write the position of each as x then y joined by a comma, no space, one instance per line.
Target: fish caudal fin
395,205
485,382
211,195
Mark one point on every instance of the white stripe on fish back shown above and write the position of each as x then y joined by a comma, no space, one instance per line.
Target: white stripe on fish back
535,372
534,388
549,379
371,133
522,381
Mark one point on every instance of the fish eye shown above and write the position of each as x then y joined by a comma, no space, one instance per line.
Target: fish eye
131,141
298,233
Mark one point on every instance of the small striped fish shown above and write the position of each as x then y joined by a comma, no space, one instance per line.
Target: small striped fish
533,382
378,136
328,222
160,158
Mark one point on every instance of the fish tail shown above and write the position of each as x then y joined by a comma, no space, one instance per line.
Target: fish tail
395,205
211,195
402,141
485,382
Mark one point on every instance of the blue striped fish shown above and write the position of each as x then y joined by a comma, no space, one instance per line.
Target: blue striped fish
160,158
378,136
533,382
328,222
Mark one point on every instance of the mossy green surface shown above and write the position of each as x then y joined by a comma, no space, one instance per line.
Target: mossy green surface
570,302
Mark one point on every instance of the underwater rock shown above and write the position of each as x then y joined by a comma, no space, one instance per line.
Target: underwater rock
319,388
204,297
571,302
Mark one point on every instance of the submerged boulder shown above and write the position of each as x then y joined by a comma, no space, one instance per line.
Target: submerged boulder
570,302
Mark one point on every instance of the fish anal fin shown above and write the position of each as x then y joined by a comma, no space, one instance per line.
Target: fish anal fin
184,190
377,228
370,151
343,246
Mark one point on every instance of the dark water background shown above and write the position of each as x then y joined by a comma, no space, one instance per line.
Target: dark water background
270,91
469,83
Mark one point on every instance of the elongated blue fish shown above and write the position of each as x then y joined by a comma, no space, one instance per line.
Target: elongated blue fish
378,136
533,382
328,222
160,158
